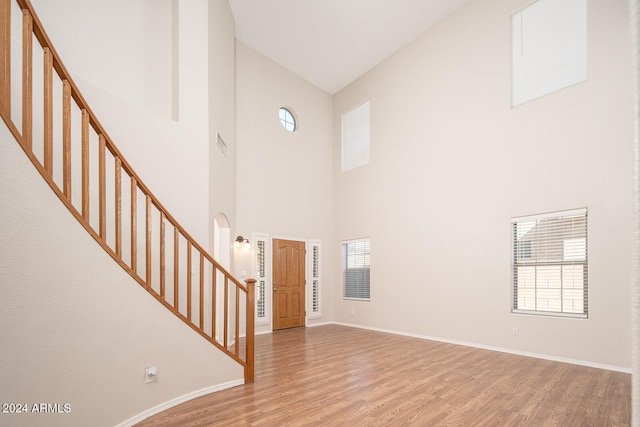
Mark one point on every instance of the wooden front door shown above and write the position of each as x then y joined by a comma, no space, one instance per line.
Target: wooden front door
288,284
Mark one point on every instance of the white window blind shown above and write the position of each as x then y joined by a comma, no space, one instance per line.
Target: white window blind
315,309
262,272
355,137
356,256
550,264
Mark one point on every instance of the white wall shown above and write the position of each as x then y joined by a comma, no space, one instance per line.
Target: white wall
120,54
75,327
82,331
283,180
122,46
451,163
222,170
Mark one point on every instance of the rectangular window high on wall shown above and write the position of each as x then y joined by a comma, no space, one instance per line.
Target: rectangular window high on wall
356,256
355,137
315,280
549,48
549,264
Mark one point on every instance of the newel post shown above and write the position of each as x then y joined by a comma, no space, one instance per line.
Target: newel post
251,299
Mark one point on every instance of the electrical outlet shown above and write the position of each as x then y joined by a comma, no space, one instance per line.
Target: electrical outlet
514,330
150,374
353,311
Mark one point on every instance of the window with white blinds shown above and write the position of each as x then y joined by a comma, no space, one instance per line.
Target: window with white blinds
262,272
314,262
355,269
550,264
355,137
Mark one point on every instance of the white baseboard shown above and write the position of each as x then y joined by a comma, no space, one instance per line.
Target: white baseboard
308,325
488,347
177,401
313,325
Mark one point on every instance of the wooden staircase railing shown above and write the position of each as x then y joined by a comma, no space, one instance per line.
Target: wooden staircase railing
102,180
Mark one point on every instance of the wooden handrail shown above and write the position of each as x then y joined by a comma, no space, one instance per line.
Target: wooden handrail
109,233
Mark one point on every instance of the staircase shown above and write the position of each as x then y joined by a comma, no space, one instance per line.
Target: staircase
108,198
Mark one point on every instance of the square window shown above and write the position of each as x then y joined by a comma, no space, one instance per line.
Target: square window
549,48
549,269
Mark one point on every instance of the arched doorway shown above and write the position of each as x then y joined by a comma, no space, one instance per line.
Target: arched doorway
222,240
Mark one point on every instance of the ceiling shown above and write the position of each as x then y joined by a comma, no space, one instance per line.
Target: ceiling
330,43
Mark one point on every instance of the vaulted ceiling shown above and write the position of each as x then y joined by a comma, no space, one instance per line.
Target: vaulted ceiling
330,43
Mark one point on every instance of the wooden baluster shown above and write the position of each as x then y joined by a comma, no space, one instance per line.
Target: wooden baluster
134,225
102,192
250,333
237,321
176,267
118,202
5,56
189,280
226,310
48,111
27,79
201,290
66,143
162,248
214,278
49,64
85,165
148,245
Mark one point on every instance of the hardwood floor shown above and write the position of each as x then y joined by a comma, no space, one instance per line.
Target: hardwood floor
336,375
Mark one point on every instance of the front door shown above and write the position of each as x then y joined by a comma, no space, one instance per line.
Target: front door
288,284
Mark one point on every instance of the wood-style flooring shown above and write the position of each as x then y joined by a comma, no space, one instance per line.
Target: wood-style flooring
339,376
